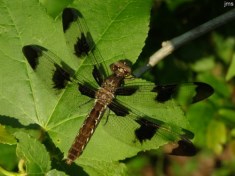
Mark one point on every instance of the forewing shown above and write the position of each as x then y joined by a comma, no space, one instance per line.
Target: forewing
77,37
81,43
51,69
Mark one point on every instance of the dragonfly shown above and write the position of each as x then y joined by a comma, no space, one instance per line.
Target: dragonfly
108,87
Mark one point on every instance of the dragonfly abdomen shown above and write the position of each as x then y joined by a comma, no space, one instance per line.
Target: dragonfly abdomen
86,132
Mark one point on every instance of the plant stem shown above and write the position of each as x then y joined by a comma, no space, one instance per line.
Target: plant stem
169,46
21,170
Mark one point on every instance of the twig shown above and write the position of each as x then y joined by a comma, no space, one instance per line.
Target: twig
169,46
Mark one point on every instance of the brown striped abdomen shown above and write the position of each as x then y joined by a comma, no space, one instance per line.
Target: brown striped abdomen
86,132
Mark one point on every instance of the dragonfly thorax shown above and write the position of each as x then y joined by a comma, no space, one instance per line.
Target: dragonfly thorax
121,68
104,96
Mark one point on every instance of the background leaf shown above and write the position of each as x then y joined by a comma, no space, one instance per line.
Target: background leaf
55,173
14,35
8,158
231,72
101,168
59,116
6,137
36,158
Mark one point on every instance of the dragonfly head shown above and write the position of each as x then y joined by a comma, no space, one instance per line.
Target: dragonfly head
121,68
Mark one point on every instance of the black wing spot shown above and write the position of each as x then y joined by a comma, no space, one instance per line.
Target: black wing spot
118,108
146,130
165,93
60,77
86,90
187,134
82,47
126,91
184,148
203,91
84,42
70,15
32,54
97,75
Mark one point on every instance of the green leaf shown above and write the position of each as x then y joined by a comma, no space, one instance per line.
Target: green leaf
203,64
216,136
173,4
231,70
227,114
8,158
200,116
54,7
101,168
18,27
55,173
224,46
34,154
6,137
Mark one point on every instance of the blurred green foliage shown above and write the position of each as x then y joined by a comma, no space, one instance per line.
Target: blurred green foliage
209,59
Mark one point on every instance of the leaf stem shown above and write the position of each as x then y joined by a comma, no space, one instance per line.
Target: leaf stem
21,170
21,166
169,46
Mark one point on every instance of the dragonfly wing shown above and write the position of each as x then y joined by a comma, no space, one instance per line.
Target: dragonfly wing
49,67
191,92
145,133
118,108
81,42
159,123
